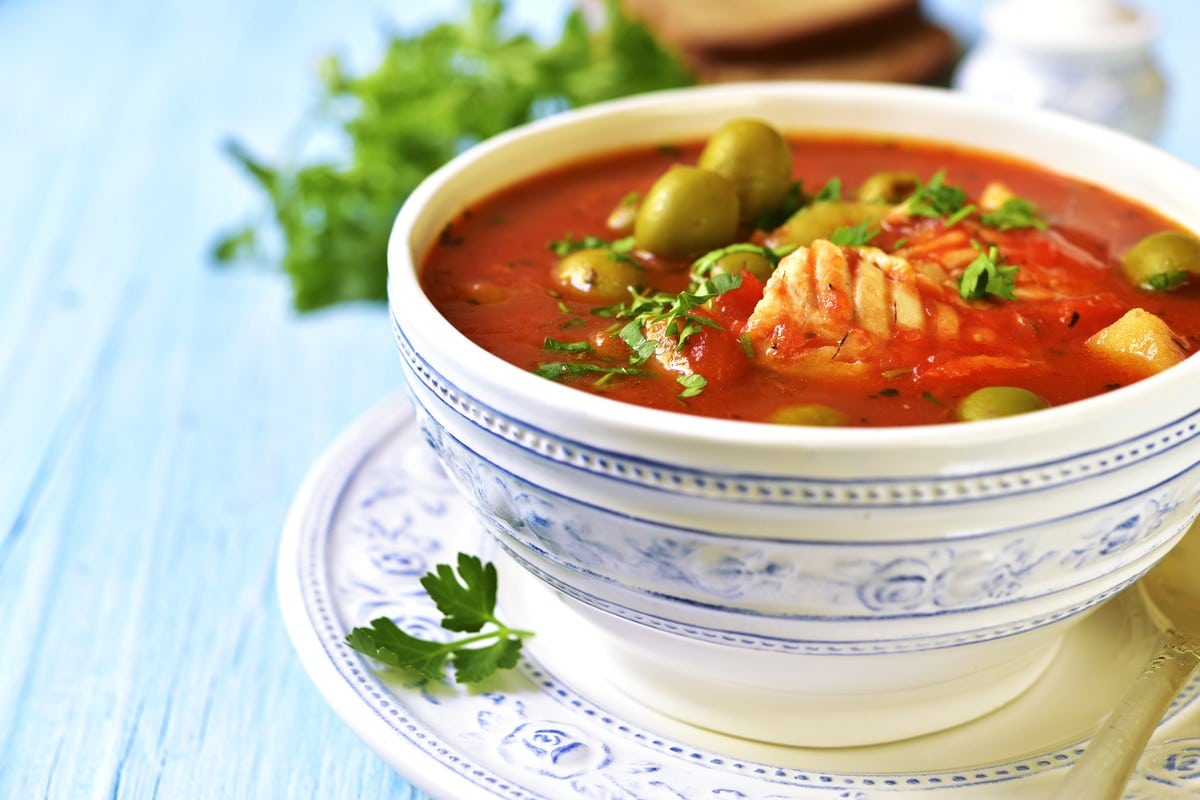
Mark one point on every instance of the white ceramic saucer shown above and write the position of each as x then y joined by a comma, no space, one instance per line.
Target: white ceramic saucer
376,513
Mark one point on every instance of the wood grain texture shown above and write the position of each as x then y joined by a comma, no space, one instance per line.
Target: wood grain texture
157,414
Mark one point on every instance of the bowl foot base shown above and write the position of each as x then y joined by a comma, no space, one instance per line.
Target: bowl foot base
815,717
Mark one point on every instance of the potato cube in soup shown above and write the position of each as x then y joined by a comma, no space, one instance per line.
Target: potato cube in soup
1139,341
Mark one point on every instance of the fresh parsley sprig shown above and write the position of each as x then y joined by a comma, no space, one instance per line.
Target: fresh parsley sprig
431,94
467,602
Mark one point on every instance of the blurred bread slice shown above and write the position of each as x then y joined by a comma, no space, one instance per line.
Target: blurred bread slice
740,40
918,53
706,25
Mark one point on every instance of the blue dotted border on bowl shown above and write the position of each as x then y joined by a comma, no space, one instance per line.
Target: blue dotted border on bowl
818,492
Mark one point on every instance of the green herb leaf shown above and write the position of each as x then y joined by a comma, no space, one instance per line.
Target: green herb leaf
472,665
467,601
633,336
431,95
553,344
832,190
692,384
569,244
618,250
674,310
937,199
702,266
387,644
855,235
466,605
559,370
1016,212
985,276
1166,281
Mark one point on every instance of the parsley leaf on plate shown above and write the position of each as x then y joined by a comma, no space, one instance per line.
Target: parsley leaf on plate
467,601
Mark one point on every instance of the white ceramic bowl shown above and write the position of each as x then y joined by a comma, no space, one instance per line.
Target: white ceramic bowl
811,586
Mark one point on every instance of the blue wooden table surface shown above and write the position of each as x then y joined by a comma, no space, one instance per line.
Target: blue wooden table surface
157,413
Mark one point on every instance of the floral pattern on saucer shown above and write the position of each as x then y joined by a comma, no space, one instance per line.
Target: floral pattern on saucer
379,512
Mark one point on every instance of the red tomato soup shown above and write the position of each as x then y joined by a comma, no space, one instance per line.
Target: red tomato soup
889,284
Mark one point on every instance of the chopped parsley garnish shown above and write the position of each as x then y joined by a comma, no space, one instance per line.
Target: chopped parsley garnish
1165,281
832,190
562,247
553,344
558,370
702,266
674,310
987,276
467,602
855,235
1015,212
937,199
692,384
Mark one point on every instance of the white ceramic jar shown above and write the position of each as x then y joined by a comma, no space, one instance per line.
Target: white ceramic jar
1089,58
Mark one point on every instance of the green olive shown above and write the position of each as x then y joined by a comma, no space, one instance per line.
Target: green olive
888,187
808,414
998,401
1162,260
596,274
736,262
756,158
820,220
687,211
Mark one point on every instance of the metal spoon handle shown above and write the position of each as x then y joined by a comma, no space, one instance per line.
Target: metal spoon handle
1104,769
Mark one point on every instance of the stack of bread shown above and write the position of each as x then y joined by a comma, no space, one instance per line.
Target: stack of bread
866,40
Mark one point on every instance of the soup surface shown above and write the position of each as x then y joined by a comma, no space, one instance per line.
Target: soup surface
840,303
